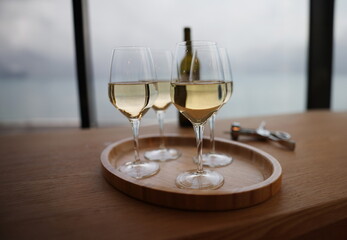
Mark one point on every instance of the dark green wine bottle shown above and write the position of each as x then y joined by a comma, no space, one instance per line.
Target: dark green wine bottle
185,68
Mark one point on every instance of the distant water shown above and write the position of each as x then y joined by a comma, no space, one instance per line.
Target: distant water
54,102
38,101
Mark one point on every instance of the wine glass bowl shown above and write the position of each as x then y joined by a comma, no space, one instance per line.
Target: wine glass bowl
162,63
213,158
198,90
132,90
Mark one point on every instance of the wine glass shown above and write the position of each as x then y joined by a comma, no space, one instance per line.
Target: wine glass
198,90
214,159
163,64
132,91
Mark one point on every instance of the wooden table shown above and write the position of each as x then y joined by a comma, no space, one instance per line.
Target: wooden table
52,187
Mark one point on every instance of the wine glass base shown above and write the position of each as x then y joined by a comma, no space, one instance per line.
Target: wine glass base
215,160
139,170
165,154
206,179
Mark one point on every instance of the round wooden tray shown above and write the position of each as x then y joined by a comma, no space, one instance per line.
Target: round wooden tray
253,176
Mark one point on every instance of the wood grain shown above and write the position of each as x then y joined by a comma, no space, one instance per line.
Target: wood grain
253,177
52,187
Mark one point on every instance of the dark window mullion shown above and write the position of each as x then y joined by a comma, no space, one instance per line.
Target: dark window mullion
83,64
320,54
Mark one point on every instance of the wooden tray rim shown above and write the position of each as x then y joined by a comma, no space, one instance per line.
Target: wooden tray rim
275,176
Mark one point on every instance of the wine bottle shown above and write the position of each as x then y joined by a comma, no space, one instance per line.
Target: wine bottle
185,68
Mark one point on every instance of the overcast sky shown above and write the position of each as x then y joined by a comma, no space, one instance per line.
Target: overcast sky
36,36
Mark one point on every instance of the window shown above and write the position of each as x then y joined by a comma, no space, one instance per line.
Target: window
339,96
267,42
37,64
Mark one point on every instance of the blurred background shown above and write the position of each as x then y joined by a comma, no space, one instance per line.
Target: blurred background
267,41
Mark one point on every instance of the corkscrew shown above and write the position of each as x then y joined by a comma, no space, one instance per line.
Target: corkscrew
282,138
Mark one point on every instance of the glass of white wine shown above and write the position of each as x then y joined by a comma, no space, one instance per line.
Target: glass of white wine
163,64
198,90
213,158
132,90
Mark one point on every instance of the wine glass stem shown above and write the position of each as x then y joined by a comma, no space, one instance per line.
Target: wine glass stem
212,142
160,117
135,125
199,133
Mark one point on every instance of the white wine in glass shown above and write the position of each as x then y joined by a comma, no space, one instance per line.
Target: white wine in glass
199,100
132,99
132,90
162,63
198,96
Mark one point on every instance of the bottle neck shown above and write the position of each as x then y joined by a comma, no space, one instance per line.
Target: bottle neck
189,47
188,40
